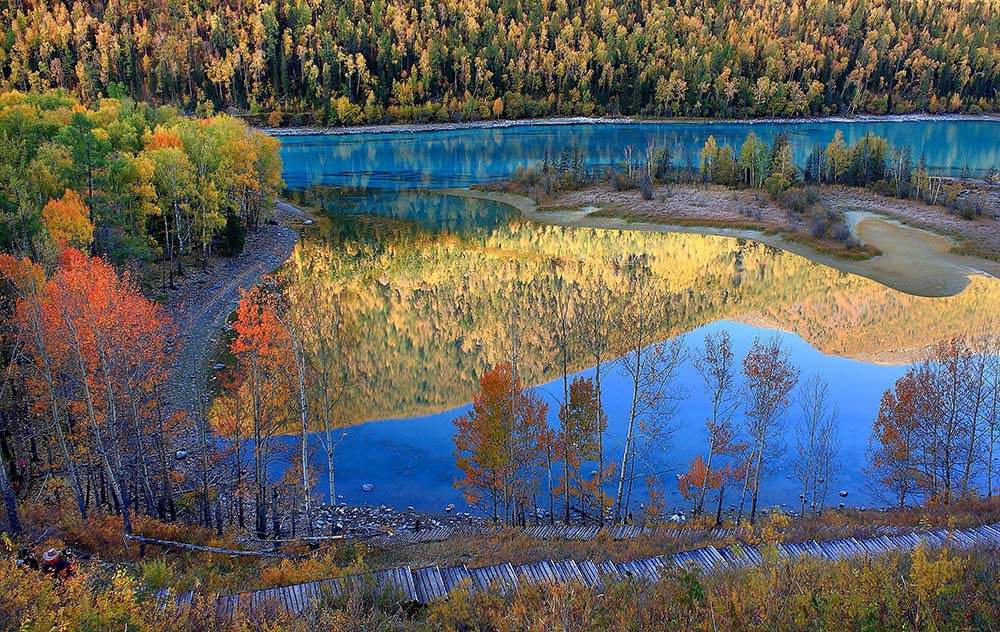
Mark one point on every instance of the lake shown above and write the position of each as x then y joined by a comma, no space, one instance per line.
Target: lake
428,278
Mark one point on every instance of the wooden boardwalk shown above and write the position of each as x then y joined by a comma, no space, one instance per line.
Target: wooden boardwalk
583,533
426,584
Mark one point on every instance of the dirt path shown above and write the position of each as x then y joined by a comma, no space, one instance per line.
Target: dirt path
203,300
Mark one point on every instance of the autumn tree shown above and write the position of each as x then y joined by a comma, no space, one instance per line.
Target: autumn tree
33,326
769,377
500,445
895,447
582,423
174,179
68,221
716,363
261,350
113,340
753,160
836,158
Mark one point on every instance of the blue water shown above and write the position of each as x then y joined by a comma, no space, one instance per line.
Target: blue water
431,160
409,461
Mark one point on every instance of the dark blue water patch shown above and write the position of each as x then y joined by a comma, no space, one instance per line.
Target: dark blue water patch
458,158
410,461
431,211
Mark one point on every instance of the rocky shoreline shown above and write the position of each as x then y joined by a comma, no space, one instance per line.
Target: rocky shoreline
414,128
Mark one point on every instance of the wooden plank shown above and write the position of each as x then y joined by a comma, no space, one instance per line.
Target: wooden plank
704,559
834,549
480,578
733,557
571,572
404,577
509,575
591,575
438,586
717,560
455,576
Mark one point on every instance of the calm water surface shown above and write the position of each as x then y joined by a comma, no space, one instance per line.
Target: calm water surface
429,275
433,160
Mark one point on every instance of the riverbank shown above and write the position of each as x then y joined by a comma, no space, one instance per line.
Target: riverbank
415,127
912,260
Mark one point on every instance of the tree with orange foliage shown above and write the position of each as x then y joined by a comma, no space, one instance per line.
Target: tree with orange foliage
230,420
583,421
770,377
163,139
500,445
262,354
97,350
27,284
114,343
895,442
68,221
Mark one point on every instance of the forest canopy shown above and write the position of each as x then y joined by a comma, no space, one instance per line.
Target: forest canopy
357,61
125,179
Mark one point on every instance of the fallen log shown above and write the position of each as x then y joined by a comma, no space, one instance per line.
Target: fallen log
142,540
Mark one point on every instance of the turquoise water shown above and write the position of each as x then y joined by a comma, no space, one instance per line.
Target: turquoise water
410,461
432,160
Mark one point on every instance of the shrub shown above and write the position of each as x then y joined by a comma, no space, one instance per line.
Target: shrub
646,188
776,184
798,199
621,182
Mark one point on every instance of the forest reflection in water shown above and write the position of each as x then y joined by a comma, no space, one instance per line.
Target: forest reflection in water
428,278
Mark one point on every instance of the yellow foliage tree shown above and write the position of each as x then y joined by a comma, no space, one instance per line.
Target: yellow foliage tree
68,221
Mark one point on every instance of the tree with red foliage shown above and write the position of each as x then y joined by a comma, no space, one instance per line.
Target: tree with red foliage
770,377
114,342
26,283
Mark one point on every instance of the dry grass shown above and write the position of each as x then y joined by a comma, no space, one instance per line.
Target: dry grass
708,206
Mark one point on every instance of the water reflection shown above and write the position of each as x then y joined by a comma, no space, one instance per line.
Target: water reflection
432,301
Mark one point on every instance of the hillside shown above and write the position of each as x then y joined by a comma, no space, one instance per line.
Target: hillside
353,62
